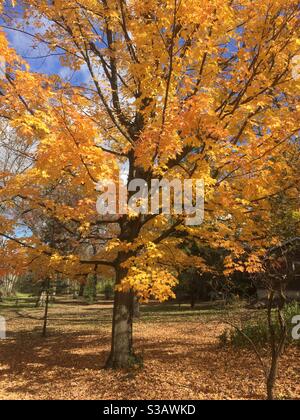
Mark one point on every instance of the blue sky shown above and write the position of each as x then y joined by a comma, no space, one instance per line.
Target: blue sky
51,65
22,43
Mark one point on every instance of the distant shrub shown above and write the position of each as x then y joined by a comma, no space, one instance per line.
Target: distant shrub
258,331
107,289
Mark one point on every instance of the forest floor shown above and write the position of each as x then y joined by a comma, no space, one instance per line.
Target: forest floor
183,358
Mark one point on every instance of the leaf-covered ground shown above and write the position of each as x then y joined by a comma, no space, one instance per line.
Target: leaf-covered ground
182,357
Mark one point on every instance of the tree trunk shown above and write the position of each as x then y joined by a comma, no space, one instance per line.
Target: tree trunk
136,308
121,355
271,381
41,296
193,301
95,282
121,349
46,310
276,348
81,290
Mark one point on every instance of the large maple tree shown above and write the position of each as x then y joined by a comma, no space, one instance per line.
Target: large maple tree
173,89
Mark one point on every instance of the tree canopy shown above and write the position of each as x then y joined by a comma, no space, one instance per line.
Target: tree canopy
173,89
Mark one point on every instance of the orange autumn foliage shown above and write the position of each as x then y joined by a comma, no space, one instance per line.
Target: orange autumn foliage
186,89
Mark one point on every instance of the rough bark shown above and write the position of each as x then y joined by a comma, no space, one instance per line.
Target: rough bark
271,381
121,355
46,309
